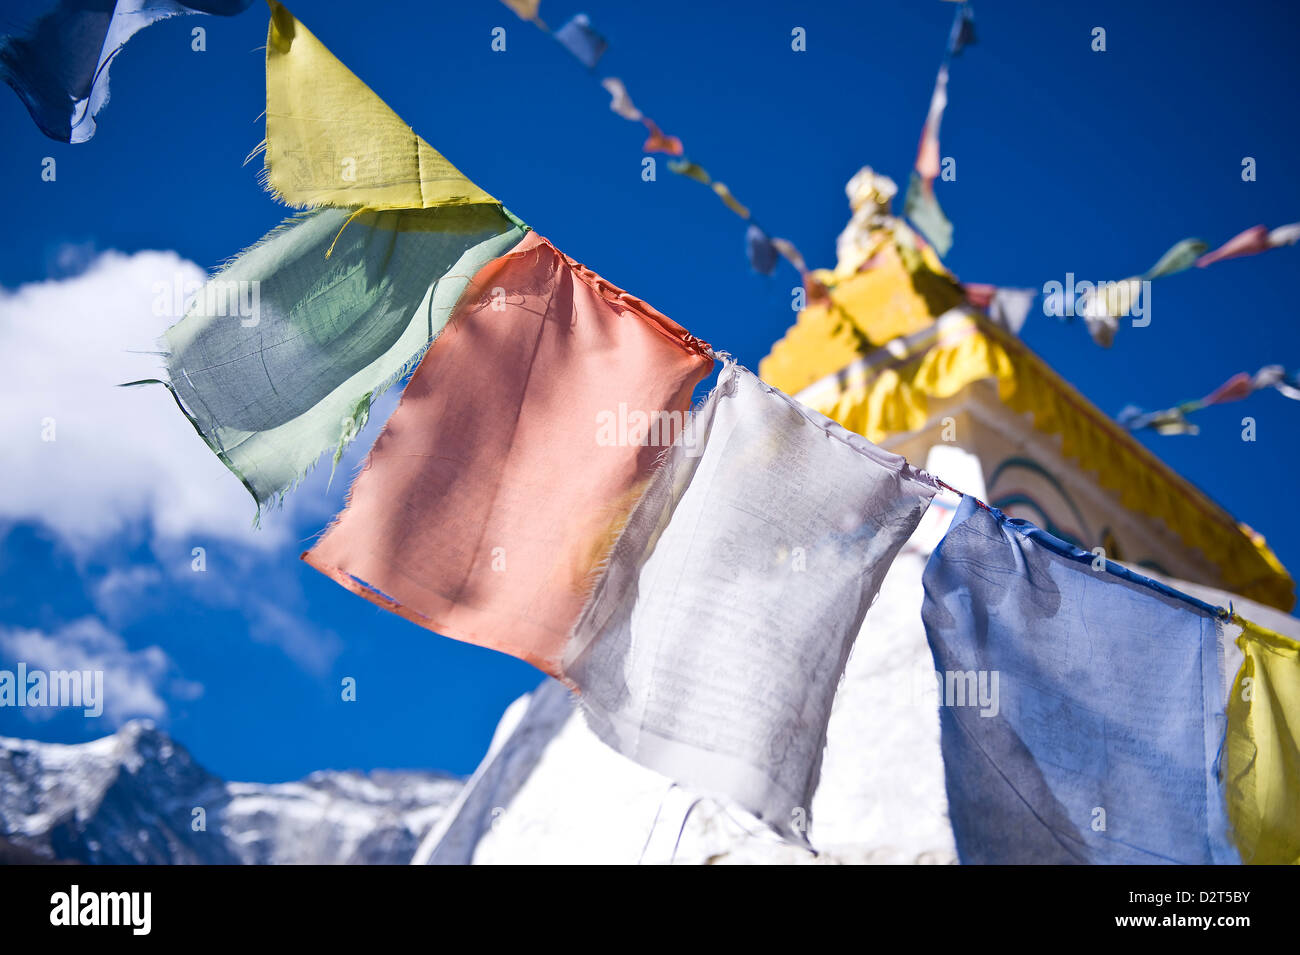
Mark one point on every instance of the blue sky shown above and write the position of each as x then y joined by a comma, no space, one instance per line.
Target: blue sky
1068,161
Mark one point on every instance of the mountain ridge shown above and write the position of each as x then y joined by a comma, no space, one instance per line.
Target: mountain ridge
139,797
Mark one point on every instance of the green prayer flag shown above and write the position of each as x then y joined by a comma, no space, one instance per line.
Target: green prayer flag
1181,256
279,357
923,209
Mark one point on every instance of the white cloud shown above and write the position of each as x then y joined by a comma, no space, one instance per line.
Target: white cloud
120,592
118,456
126,459
134,680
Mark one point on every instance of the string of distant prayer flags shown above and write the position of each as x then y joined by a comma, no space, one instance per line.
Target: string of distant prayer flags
55,54
1102,304
920,204
543,489
1241,385
580,38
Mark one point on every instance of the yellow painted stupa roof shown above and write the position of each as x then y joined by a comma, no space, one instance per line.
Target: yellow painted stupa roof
891,338
830,334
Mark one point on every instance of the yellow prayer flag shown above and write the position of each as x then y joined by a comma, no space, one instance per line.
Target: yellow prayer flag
1262,762
527,9
330,141
732,202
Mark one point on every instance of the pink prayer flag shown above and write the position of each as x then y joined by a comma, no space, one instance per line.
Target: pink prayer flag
927,161
927,155
659,142
979,294
1239,386
1251,242
526,435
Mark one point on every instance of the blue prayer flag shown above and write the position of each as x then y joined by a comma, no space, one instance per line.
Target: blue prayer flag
762,253
1082,710
578,37
56,53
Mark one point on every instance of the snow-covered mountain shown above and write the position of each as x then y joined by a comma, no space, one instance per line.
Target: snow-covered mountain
135,796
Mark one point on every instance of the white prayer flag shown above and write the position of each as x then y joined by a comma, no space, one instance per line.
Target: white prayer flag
713,645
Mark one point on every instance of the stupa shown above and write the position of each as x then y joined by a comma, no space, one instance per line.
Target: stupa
893,351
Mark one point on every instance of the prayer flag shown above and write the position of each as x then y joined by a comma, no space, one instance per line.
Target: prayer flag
619,101
1082,709
730,201
690,170
791,254
1179,257
1284,235
1275,376
56,53
488,504
979,294
1262,752
526,9
1168,421
1104,304
330,141
927,155
1239,386
1251,242
658,142
963,31
1010,307
923,209
712,647
580,38
761,251
281,354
